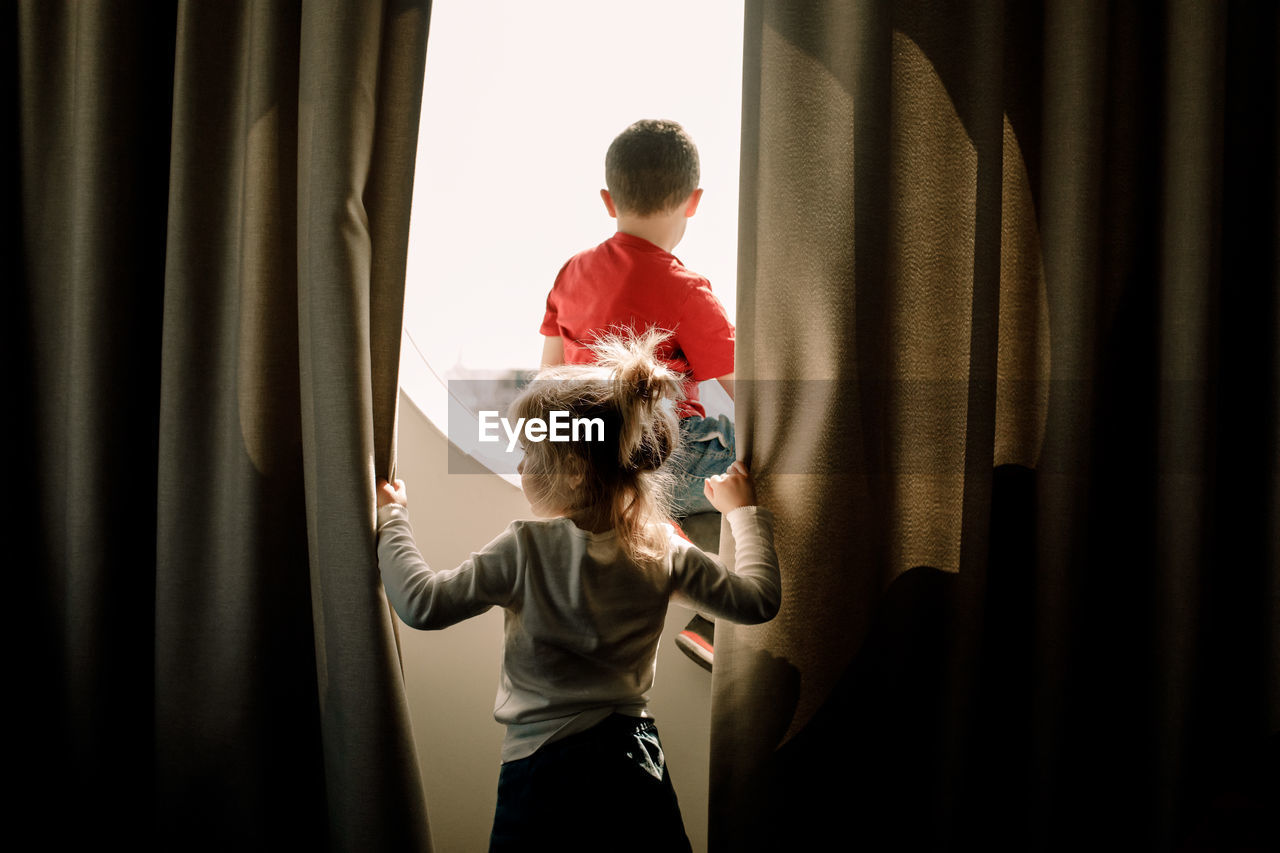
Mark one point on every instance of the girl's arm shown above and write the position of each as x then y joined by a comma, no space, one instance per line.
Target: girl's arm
425,598
749,594
753,592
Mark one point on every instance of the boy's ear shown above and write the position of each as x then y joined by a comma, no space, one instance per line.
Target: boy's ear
608,203
692,207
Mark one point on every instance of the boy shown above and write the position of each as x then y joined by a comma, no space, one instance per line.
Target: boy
632,281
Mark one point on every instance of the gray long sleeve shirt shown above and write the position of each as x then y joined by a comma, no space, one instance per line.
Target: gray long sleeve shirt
582,620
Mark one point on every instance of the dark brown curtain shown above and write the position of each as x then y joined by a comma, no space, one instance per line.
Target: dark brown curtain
208,265
1008,355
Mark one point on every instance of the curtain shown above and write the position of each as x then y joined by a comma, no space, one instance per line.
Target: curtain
209,259
1008,363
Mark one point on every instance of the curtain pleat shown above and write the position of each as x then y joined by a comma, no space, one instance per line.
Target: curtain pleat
91,135
215,203
371,769
1007,339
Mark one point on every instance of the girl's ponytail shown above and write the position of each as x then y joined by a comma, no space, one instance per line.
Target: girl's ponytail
645,391
619,481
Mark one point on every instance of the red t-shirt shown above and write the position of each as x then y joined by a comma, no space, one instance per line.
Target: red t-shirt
628,282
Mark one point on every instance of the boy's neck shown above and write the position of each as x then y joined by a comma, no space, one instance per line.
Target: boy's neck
664,230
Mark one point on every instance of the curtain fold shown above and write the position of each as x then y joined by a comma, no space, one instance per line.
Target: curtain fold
1007,358
214,217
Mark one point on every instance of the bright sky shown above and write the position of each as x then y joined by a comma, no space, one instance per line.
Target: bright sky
520,102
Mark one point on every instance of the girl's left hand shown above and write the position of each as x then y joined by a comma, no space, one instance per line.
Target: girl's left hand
732,489
389,494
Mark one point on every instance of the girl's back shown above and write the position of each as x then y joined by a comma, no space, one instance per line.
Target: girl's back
585,593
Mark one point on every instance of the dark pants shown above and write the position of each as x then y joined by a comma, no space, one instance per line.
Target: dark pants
603,789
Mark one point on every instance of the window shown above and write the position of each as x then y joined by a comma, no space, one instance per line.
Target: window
520,102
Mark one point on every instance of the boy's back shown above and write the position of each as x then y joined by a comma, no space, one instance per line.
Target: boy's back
630,282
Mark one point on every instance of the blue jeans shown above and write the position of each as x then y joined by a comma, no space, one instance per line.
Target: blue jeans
707,448
606,788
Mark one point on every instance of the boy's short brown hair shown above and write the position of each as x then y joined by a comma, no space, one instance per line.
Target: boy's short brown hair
651,167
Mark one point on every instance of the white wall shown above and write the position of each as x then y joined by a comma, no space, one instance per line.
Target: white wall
452,675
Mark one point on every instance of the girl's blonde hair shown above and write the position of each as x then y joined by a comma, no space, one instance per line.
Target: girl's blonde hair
619,481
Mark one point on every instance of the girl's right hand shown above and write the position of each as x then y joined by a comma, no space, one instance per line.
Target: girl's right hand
389,494
731,490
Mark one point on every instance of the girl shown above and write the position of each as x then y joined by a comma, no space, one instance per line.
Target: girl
585,593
